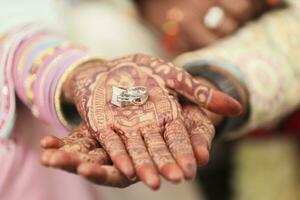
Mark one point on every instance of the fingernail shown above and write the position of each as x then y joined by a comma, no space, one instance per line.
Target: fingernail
172,172
124,164
191,172
149,176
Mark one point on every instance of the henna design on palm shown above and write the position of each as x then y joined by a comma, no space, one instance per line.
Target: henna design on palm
143,138
138,130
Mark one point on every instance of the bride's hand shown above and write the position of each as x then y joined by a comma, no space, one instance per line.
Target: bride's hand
152,137
81,154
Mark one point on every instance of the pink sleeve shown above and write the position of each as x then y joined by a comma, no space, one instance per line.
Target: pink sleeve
36,61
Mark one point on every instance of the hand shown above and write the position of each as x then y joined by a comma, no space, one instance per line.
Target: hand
182,22
158,123
81,154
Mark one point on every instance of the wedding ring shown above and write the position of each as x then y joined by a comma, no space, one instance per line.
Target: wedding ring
214,17
131,96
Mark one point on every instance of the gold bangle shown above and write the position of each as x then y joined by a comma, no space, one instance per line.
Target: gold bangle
58,92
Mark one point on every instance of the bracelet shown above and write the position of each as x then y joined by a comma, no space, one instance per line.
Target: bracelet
35,61
41,62
43,77
63,77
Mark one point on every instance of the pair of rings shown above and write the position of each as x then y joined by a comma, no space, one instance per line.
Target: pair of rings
129,96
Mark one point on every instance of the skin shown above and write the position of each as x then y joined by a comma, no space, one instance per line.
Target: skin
81,154
141,141
189,30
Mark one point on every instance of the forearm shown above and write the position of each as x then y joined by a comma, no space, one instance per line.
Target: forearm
262,56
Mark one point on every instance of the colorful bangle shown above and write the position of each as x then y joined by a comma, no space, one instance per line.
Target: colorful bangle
57,92
43,77
41,62
43,51
21,58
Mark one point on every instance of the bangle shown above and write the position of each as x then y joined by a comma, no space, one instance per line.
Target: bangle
43,77
35,61
63,77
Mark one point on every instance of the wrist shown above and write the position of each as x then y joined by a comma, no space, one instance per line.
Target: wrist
69,86
228,79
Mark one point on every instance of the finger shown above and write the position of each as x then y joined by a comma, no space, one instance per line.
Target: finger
227,26
83,145
104,175
45,157
114,146
197,35
179,144
70,161
100,156
242,10
183,83
51,142
144,166
54,142
213,100
161,155
79,132
201,132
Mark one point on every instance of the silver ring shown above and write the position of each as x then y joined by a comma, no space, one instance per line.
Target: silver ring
131,96
214,17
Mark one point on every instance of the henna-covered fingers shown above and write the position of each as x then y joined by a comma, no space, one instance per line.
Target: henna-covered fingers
178,141
69,161
76,148
201,132
114,146
121,130
143,163
184,84
51,142
78,133
104,175
69,155
160,154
